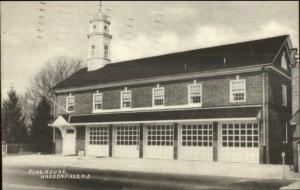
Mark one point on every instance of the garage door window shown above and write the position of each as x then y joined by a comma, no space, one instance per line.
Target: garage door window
128,135
160,135
197,135
98,135
240,135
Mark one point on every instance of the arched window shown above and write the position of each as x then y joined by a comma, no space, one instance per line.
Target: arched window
283,61
106,51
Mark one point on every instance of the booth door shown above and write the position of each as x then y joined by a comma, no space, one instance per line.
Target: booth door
69,140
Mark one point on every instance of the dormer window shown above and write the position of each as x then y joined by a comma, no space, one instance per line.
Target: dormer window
70,103
283,61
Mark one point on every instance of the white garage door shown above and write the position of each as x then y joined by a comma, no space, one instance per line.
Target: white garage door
238,142
97,141
159,141
126,141
195,141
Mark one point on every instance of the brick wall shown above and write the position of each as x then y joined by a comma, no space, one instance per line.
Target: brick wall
295,88
215,92
278,117
80,139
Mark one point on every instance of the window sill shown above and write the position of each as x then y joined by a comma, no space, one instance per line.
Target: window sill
243,101
195,104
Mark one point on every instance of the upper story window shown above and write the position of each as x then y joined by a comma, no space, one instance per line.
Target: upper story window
94,26
284,95
126,99
97,101
195,93
158,96
93,49
70,103
283,61
105,51
238,90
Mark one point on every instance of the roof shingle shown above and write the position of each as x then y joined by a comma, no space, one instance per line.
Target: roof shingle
206,59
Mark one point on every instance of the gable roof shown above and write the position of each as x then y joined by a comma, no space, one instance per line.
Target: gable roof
248,53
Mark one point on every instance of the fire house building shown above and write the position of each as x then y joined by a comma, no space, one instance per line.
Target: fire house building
229,103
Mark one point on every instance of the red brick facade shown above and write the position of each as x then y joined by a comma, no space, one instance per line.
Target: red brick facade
215,92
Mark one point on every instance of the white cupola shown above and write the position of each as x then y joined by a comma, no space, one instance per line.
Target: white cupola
99,42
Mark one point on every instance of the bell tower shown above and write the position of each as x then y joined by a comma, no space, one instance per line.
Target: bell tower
99,41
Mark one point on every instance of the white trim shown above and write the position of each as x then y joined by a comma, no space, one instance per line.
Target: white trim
286,133
59,121
231,99
169,121
279,50
189,94
121,99
194,75
165,108
276,69
95,110
158,88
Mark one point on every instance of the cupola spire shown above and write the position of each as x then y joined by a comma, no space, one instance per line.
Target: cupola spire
99,41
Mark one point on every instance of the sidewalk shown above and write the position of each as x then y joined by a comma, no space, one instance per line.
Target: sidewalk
293,186
155,166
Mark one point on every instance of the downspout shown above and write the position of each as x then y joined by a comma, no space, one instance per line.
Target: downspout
54,115
263,106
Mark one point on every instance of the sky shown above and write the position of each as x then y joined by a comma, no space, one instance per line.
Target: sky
34,32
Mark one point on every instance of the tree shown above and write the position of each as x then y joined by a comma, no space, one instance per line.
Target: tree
40,131
55,71
12,121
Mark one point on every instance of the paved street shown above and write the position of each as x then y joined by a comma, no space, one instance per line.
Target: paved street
15,178
31,175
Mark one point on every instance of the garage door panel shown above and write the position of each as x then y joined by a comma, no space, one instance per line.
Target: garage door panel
197,153
238,142
165,152
97,150
126,141
196,141
127,151
160,141
97,141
